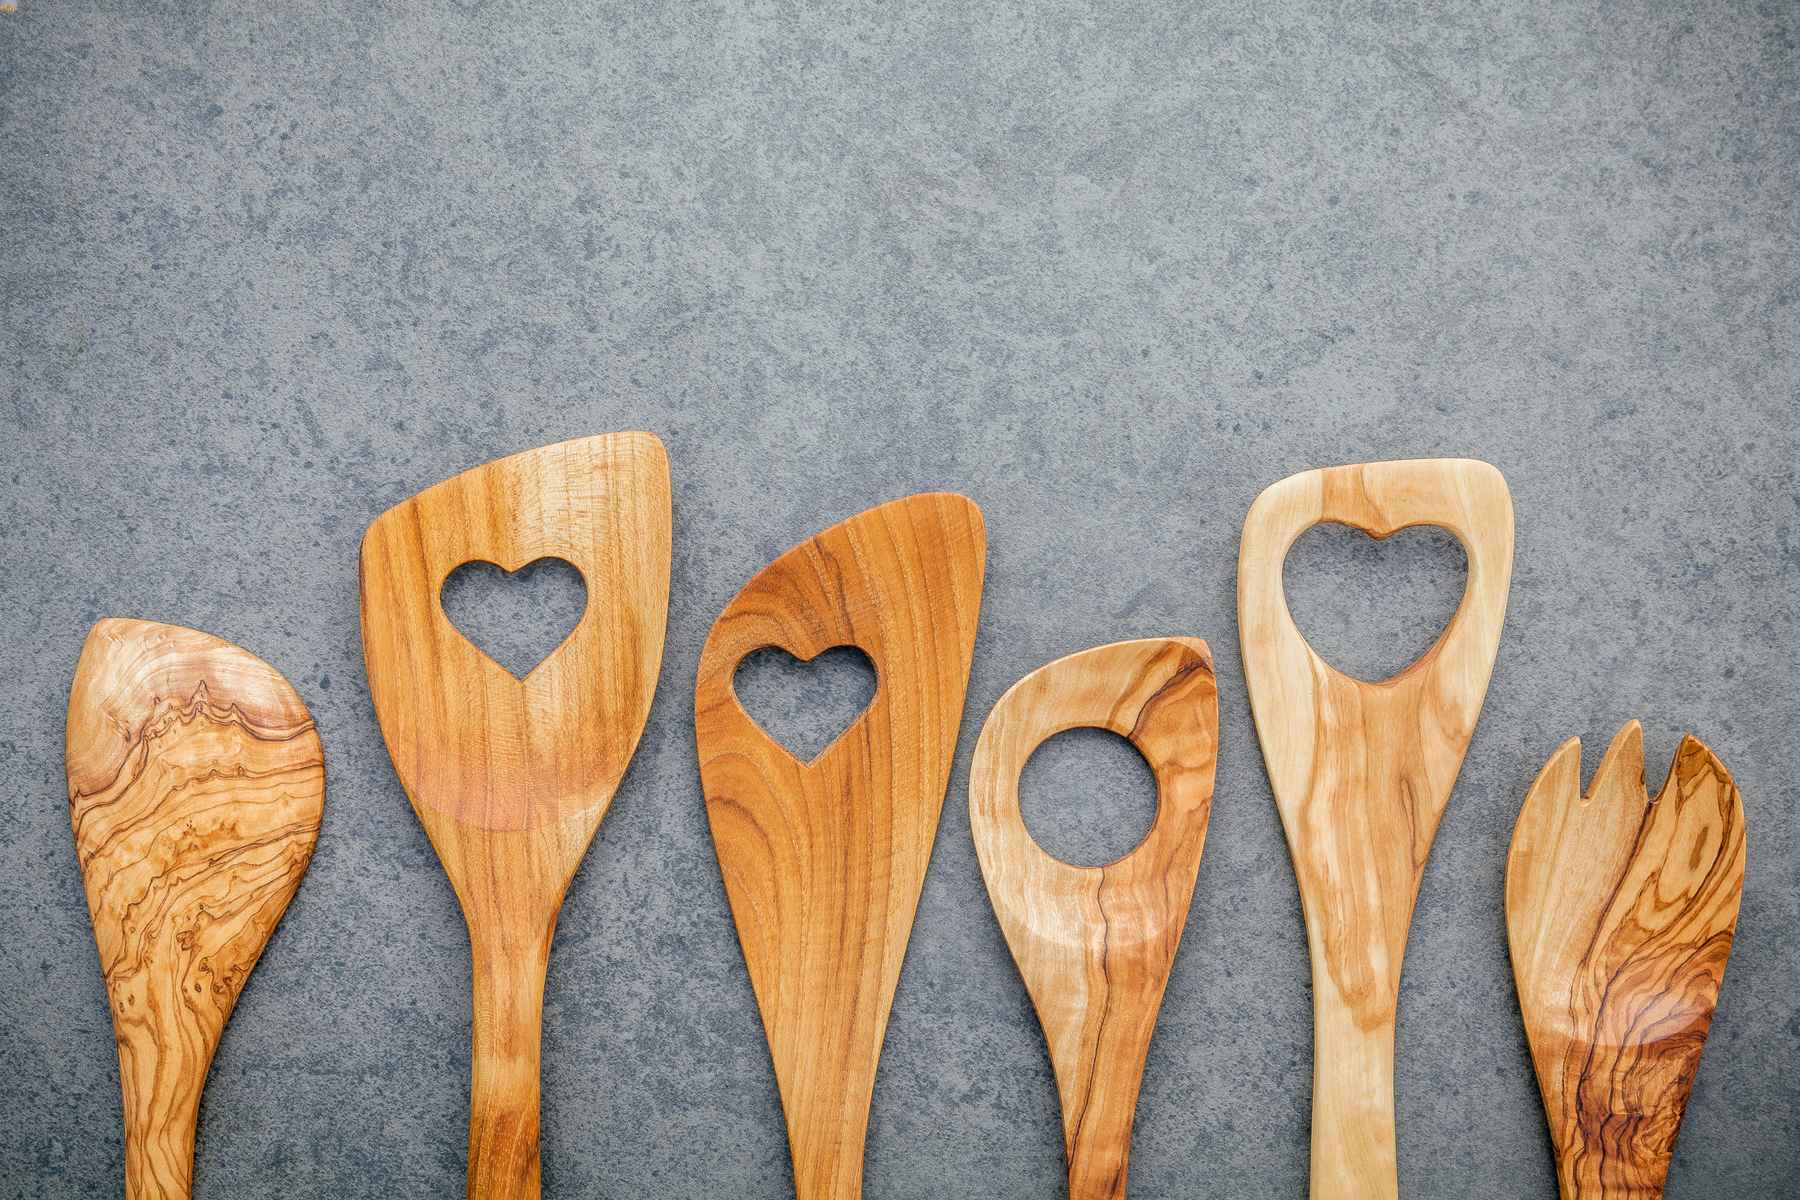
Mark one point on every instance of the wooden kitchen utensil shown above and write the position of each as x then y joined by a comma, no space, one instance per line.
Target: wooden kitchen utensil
1362,772
511,777
823,861
196,786
1095,944
1621,910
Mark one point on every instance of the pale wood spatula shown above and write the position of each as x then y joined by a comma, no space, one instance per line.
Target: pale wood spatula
1362,772
511,777
1095,944
1621,911
823,861
196,787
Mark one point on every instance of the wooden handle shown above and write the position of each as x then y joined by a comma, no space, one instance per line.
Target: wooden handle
1362,771
196,787
1095,944
507,1018
823,861
1620,913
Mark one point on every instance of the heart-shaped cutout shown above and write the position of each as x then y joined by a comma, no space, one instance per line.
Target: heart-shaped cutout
805,706
1371,607
517,618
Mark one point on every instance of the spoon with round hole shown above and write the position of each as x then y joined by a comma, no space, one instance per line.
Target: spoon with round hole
1095,944
196,787
1362,773
511,777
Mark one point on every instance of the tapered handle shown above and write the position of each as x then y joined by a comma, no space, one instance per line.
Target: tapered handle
506,1064
1353,1145
159,1137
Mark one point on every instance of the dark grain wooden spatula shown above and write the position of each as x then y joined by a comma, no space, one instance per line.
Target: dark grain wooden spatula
1621,911
196,786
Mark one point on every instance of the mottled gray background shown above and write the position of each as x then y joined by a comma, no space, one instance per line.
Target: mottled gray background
267,269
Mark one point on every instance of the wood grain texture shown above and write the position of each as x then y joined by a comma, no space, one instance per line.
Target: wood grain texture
823,861
1095,944
196,787
1621,911
511,777
1362,772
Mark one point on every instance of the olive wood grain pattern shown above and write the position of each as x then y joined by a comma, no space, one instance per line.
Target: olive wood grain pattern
823,861
1621,911
510,777
1095,944
196,787
1362,772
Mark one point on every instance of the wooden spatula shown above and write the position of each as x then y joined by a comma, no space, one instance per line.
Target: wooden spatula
196,786
1621,911
1095,944
511,777
823,861
1362,772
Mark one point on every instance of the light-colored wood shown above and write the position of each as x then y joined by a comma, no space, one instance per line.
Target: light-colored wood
1362,772
823,861
1095,944
196,786
511,777
1621,912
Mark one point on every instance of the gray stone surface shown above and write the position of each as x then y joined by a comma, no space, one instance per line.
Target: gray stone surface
266,270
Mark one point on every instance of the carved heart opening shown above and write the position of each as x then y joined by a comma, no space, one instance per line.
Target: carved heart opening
805,706
516,618
1371,607
1087,797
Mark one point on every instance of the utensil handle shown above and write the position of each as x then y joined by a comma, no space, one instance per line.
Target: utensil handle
159,1133
1353,1148
508,1020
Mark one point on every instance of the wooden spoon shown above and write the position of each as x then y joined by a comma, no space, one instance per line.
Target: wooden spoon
1362,772
1621,911
196,786
823,861
1095,944
511,777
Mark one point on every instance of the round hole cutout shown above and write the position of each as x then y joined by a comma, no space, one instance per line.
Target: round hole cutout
1087,796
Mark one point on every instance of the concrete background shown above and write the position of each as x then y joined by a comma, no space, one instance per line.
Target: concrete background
266,270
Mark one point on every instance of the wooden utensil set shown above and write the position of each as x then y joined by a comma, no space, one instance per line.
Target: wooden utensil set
196,786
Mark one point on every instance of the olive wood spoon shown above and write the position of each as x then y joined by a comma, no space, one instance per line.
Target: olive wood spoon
1362,772
823,861
511,777
1095,944
1620,911
196,787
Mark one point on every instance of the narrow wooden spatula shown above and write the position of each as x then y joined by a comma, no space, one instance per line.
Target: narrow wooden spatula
1095,944
510,777
196,786
823,861
1621,911
1362,772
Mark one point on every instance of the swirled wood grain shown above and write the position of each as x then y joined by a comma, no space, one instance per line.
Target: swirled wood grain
823,861
1362,772
1621,911
1095,944
511,777
196,786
